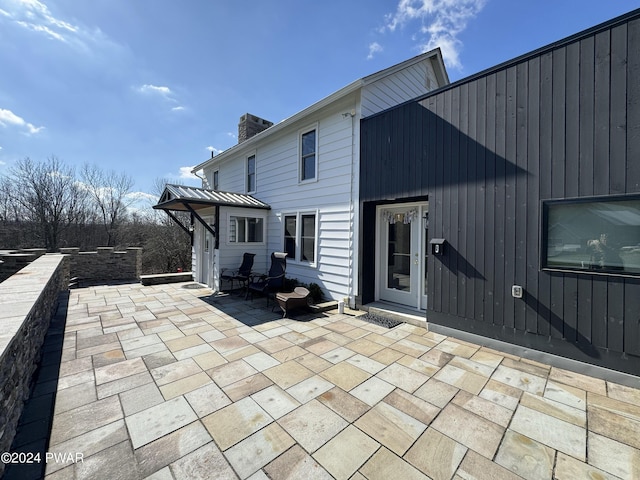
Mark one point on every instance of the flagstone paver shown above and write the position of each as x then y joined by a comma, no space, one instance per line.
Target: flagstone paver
312,425
235,422
167,382
391,427
154,422
346,452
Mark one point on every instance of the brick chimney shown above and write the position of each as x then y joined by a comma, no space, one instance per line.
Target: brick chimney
251,125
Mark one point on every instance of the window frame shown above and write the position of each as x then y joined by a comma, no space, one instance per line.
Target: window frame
215,180
547,205
298,238
232,215
247,174
301,158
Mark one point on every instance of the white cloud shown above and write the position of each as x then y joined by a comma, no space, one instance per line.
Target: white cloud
8,118
142,197
35,16
163,92
214,150
185,172
442,21
374,48
154,89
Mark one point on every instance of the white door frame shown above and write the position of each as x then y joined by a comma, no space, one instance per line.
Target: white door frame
207,254
417,297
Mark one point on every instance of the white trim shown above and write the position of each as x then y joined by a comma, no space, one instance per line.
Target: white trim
416,299
247,156
301,132
215,185
298,238
263,217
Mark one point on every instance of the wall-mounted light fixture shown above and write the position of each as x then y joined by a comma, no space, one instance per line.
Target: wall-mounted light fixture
437,246
425,221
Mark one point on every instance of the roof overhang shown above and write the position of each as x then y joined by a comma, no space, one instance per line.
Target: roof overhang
188,199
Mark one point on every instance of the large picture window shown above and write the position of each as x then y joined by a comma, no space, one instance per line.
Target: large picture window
300,237
246,229
597,235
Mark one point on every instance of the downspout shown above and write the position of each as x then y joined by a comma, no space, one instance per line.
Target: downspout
205,182
354,227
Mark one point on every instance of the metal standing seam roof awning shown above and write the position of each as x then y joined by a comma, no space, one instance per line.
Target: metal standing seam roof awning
181,198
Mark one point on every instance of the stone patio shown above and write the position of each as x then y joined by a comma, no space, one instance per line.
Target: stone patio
171,381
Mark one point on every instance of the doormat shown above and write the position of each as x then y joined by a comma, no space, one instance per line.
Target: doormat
379,320
194,286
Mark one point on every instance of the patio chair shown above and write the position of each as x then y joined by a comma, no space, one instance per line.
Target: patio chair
242,274
273,281
300,297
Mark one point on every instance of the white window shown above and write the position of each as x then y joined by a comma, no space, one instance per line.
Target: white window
308,155
246,229
216,180
251,174
300,236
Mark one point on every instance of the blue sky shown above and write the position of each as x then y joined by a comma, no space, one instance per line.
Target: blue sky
151,87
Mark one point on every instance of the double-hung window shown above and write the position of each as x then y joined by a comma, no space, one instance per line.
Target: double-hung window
251,174
308,155
300,237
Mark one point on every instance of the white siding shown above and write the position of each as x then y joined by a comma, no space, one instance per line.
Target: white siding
330,196
334,194
230,255
394,89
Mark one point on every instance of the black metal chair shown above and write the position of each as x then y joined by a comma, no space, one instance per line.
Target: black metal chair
242,274
273,281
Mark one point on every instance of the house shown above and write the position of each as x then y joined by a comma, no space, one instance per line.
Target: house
508,203
293,186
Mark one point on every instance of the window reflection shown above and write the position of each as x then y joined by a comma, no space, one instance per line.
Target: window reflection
595,235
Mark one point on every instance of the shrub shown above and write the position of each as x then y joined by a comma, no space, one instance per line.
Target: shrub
316,292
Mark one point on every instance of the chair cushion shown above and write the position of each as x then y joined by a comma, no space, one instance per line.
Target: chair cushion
298,292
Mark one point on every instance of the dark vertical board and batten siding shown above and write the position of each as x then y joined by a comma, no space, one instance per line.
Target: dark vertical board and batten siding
563,122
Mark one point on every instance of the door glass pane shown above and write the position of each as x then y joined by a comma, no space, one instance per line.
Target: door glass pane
399,257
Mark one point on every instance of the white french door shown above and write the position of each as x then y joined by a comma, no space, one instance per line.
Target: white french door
401,243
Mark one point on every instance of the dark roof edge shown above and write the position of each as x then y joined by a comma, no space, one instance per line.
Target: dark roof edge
607,25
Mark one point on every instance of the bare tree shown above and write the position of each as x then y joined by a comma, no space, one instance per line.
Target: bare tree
108,192
168,247
48,195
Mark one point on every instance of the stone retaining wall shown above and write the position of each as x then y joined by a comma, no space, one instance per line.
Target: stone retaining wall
105,264
28,301
12,261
